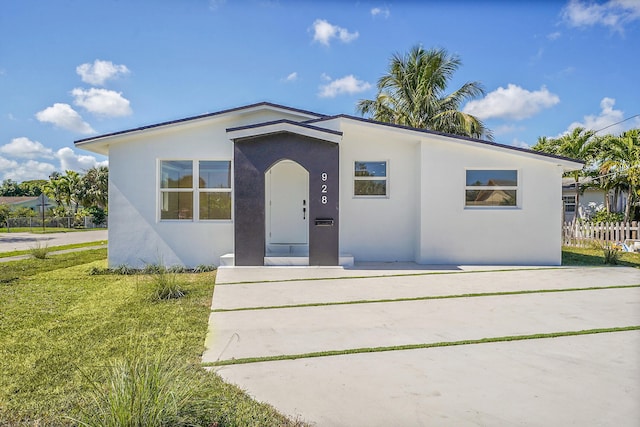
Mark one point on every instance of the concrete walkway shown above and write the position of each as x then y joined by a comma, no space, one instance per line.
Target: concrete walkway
575,380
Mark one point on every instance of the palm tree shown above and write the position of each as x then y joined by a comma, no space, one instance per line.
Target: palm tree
623,157
96,186
412,93
576,145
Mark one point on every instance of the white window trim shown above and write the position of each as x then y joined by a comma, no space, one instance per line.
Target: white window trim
355,178
195,190
517,188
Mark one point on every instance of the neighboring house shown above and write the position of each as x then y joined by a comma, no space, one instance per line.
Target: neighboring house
268,184
33,203
590,198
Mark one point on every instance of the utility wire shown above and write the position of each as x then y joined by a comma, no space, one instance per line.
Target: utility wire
621,121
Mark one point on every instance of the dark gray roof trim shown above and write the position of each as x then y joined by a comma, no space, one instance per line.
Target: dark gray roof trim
202,116
291,122
431,132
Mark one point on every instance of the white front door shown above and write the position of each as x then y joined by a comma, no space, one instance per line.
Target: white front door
287,204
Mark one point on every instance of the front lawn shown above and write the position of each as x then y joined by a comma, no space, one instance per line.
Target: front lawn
590,256
62,329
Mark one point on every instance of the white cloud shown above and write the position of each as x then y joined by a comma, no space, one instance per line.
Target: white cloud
506,129
215,4
102,102
380,11
65,117
69,160
25,148
521,144
100,71
613,13
291,77
513,102
607,118
346,85
324,32
554,36
29,170
6,164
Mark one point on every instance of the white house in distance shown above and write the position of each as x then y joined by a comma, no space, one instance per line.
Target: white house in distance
267,184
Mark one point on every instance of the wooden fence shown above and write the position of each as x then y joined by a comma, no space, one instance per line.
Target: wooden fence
586,234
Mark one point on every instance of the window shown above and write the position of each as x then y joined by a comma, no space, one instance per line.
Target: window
370,179
180,196
214,187
176,188
491,188
569,203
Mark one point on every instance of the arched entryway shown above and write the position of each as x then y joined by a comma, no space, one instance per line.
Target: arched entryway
288,154
287,210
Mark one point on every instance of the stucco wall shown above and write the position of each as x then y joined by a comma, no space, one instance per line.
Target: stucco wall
379,228
451,233
136,235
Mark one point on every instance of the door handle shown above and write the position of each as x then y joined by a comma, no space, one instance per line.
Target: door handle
304,213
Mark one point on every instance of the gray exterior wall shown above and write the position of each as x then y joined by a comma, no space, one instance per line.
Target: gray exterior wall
252,158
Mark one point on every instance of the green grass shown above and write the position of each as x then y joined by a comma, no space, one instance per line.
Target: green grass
47,230
595,257
62,331
419,346
53,248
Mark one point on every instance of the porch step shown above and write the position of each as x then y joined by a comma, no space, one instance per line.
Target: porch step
228,260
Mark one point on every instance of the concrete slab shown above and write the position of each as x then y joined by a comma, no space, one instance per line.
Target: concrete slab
227,274
259,333
569,381
410,284
580,380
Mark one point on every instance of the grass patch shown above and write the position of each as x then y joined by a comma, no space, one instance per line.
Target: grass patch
418,346
63,331
48,230
54,248
572,256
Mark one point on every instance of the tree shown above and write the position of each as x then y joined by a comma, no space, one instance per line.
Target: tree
32,188
413,93
10,188
622,159
74,190
96,187
578,145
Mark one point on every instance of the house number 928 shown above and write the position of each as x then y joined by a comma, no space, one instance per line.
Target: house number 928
324,188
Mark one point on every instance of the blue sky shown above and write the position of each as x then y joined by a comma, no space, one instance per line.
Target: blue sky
75,69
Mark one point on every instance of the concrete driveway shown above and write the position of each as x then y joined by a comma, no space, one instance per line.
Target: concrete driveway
408,346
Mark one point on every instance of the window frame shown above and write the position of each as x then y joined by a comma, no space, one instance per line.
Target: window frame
566,202
517,188
200,190
195,190
371,178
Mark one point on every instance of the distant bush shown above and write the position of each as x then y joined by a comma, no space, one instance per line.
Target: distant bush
39,251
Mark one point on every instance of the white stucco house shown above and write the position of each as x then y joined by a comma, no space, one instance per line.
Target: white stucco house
267,184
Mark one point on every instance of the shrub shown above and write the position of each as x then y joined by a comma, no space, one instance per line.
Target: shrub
203,268
142,390
611,254
39,251
124,269
166,286
153,269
